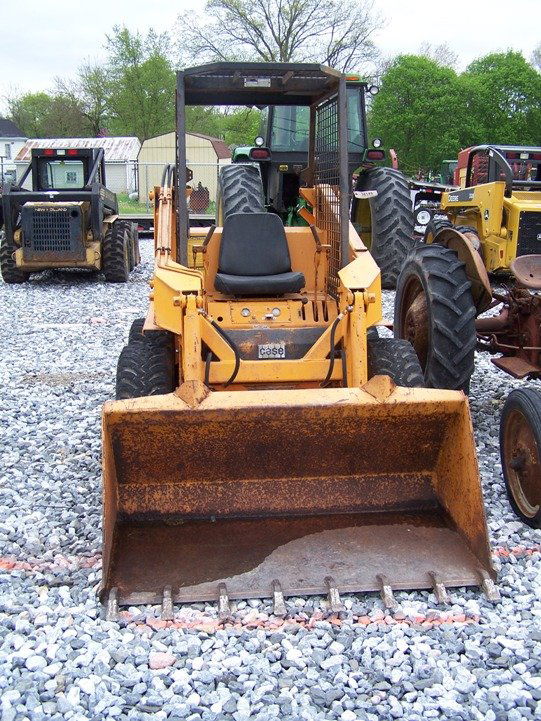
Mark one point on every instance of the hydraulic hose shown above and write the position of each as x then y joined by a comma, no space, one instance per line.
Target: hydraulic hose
334,326
233,348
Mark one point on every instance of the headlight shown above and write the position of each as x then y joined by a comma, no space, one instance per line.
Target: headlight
373,90
259,141
376,142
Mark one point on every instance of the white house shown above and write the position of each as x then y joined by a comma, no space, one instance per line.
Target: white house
11,142
120,158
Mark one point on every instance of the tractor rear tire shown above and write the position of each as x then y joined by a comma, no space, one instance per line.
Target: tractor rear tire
145,369
433,227
434,310
395,358
520,452
116,253
10,273
386,221
241,189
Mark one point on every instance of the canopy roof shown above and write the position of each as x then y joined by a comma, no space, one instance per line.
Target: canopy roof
257,83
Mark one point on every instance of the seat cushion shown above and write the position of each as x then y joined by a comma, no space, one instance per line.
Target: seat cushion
254,244
291,282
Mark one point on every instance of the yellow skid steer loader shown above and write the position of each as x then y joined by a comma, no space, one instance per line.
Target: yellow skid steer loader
265,442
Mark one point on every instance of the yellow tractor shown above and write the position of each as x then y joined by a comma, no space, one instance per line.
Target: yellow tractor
265,441
493,226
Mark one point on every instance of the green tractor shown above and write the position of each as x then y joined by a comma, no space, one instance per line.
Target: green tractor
381,209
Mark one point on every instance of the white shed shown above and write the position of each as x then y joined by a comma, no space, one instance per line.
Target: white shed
120,158
204,156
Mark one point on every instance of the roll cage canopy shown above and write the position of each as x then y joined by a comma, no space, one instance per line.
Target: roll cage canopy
263,84
257,83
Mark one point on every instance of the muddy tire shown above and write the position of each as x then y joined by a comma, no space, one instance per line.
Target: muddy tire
435,312
116,253
10,273
386,221
241,189
154,336
395,358
145,369
133,233
520,452
434,226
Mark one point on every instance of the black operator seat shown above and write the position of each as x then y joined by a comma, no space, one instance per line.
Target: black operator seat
254,257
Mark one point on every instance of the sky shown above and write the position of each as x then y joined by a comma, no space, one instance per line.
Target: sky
43,39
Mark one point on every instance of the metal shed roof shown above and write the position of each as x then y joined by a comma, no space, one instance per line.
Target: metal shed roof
117,150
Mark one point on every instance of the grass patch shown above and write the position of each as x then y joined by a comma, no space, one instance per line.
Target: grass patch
134,207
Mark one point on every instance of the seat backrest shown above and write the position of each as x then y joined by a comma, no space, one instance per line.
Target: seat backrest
254,244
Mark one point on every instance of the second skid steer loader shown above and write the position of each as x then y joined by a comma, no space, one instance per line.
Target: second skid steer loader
265,441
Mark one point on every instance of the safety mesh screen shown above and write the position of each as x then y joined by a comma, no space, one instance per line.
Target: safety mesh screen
50,232
327,179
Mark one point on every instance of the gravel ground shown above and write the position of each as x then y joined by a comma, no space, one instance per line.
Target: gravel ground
61,335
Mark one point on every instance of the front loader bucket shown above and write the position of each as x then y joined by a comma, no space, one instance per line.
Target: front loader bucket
306,491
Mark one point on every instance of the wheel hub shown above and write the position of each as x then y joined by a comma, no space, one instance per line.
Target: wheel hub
416,327
524,464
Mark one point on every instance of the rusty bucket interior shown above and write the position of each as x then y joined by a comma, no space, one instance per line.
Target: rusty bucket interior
245,494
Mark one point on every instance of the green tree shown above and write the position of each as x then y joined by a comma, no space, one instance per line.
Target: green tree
40,115
418,112
29,112
91,91
502,98
142,97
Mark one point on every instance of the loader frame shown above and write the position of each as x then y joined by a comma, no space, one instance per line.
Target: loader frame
256,477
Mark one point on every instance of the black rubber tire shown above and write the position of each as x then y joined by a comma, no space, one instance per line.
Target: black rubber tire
131,252
466,229
446,347
10,273
391,220
527,402
241,189
434,226
154,336
133,233
395,358
136,248
116,253
145,369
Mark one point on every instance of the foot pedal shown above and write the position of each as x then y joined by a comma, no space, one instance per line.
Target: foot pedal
333,596
278,600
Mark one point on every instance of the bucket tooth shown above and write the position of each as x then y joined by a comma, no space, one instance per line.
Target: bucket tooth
224,609
167,604
333,596
278,600
111,613
489,587
439,589
387,592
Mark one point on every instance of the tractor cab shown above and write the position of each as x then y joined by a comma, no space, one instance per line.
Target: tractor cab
66,168
281,149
